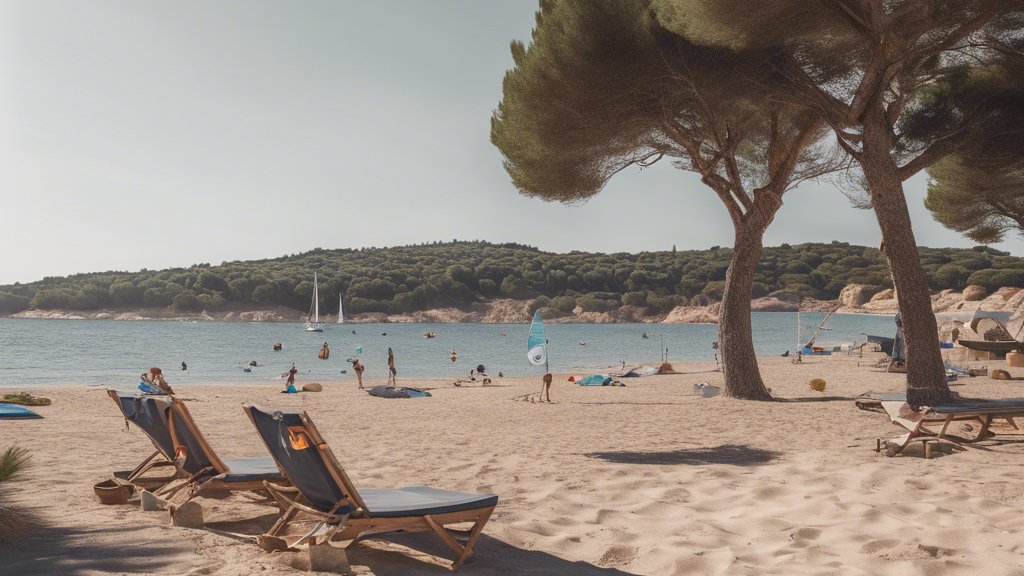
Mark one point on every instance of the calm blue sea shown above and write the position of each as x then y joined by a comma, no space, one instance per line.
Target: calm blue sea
111,353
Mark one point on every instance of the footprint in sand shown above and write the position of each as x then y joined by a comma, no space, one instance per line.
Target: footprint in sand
617,556
807,534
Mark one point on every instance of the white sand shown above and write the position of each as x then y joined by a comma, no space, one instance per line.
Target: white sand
645,479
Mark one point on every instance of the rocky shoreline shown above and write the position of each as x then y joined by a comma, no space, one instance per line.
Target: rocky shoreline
854,299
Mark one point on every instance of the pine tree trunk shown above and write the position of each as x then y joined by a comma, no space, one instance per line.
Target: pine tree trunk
926,373
736,341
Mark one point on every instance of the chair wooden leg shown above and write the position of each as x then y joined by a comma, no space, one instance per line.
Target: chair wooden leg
448,538
142,468
473,535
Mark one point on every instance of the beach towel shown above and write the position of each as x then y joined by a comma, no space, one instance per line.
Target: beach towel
392,392
148,388
595,380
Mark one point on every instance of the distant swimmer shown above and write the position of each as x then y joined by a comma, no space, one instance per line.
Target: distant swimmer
184,367
453,355
644,335
502,333
353,331
384,334
582,343
253,363
277,347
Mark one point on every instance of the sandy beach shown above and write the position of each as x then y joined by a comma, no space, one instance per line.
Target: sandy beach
641,479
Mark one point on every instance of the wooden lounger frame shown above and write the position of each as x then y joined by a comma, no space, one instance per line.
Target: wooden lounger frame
359,523
923,430
199,482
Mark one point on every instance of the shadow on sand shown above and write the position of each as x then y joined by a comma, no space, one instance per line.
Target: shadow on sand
77,551
726,454
152,550
418,554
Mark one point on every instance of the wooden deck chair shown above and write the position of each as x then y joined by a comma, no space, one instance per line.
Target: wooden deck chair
323,490
179,443
932,424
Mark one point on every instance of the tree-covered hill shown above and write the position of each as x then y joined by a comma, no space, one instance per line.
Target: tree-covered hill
414,278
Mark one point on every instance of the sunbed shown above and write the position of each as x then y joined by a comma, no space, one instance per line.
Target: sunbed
179,443
324,491
932,423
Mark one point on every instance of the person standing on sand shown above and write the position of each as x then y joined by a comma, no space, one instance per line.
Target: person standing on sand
391,367
290,384
358,368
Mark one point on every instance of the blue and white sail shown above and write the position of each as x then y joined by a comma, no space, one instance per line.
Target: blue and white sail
536,344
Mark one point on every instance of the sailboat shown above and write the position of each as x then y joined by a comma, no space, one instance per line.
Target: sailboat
313,320
341,311
536,344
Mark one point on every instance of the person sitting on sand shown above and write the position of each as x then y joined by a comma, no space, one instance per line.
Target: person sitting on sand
156,377
289,387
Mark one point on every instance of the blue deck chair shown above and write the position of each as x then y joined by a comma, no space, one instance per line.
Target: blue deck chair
179,443
323,490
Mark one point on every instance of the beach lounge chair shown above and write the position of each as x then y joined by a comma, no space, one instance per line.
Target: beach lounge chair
179,443
932,424
323,490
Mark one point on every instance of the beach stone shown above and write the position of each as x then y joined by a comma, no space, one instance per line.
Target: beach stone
188,515
856,295
974,293
313,387
150,502
327,558
887,294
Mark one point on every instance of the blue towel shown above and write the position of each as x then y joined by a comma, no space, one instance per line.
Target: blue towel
149,388
291,389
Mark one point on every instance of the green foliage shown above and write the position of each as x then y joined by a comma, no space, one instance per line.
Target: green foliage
13,303
25,399
414,278
13,462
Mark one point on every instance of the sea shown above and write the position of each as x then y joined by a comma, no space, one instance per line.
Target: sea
38,353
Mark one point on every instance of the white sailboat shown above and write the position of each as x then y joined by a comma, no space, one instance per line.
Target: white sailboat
341,311
313,320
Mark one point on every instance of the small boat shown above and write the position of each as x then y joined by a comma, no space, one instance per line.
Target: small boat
884,342
313,320
998,346
16,412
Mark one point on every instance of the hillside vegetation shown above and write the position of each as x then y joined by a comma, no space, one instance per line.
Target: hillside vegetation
414,278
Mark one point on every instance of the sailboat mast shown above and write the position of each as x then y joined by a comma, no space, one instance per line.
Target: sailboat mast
316,300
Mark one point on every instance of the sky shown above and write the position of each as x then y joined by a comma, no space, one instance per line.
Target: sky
152,135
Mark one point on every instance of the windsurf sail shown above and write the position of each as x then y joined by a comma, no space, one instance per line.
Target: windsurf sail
536,344
341,311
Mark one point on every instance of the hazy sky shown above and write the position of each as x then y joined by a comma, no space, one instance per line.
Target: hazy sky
156,134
